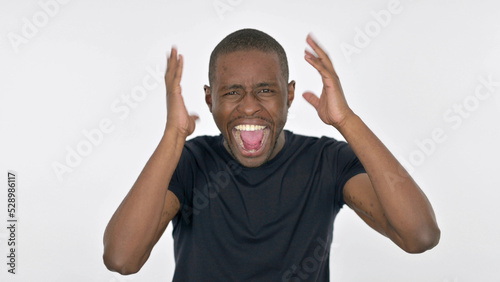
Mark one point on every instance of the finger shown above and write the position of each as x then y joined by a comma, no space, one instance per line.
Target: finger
178,71
169,63
194,117
312,99
172,60
326,75
322,55
173,52
311,56
315,46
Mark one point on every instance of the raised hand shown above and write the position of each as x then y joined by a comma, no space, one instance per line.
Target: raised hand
331,106
128,240
177,115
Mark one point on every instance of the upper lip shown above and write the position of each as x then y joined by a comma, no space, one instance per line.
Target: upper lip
254,121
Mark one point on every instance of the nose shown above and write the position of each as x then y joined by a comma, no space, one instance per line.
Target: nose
249,105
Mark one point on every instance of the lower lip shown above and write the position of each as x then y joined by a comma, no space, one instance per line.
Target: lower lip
252,153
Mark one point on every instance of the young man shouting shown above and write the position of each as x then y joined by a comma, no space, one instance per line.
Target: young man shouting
257,203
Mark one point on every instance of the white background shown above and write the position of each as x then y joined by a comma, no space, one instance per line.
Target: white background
66,75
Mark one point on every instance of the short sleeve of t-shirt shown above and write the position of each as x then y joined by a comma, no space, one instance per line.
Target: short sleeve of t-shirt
346,165
183,175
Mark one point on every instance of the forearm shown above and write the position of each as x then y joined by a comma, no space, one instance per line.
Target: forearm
396,205
406,208
130,234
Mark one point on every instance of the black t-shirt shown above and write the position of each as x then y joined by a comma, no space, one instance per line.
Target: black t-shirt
270,223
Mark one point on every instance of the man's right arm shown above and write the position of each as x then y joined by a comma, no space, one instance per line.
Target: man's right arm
144,214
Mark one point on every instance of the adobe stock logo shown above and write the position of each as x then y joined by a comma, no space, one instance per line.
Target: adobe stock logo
363,37
31,27
454,117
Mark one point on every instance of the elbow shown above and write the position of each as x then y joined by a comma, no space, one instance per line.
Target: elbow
423,240
120,265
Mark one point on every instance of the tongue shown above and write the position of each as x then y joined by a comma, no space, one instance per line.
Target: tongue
252,139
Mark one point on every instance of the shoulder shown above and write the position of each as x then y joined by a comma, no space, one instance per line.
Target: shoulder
205,148
204,141
197,150
323,142
324,147
199,144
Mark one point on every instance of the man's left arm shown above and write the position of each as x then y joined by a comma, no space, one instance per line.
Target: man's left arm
386,197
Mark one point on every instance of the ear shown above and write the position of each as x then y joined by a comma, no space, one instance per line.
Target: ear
291,92
208,97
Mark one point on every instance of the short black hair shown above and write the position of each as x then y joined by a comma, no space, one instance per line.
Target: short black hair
244,40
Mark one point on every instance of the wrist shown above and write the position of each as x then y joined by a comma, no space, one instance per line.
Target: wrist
348,122
345,120
172,133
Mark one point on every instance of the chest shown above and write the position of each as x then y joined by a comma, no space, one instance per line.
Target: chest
254,205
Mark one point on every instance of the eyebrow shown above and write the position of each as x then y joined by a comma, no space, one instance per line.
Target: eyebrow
258,85
266,84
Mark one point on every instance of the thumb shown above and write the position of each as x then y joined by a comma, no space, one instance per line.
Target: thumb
311,98
194,117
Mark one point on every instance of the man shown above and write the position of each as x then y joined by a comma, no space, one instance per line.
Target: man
257,203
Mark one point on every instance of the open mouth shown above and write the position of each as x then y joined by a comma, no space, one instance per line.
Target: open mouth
251,138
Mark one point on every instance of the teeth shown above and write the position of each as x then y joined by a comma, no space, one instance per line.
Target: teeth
249,127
